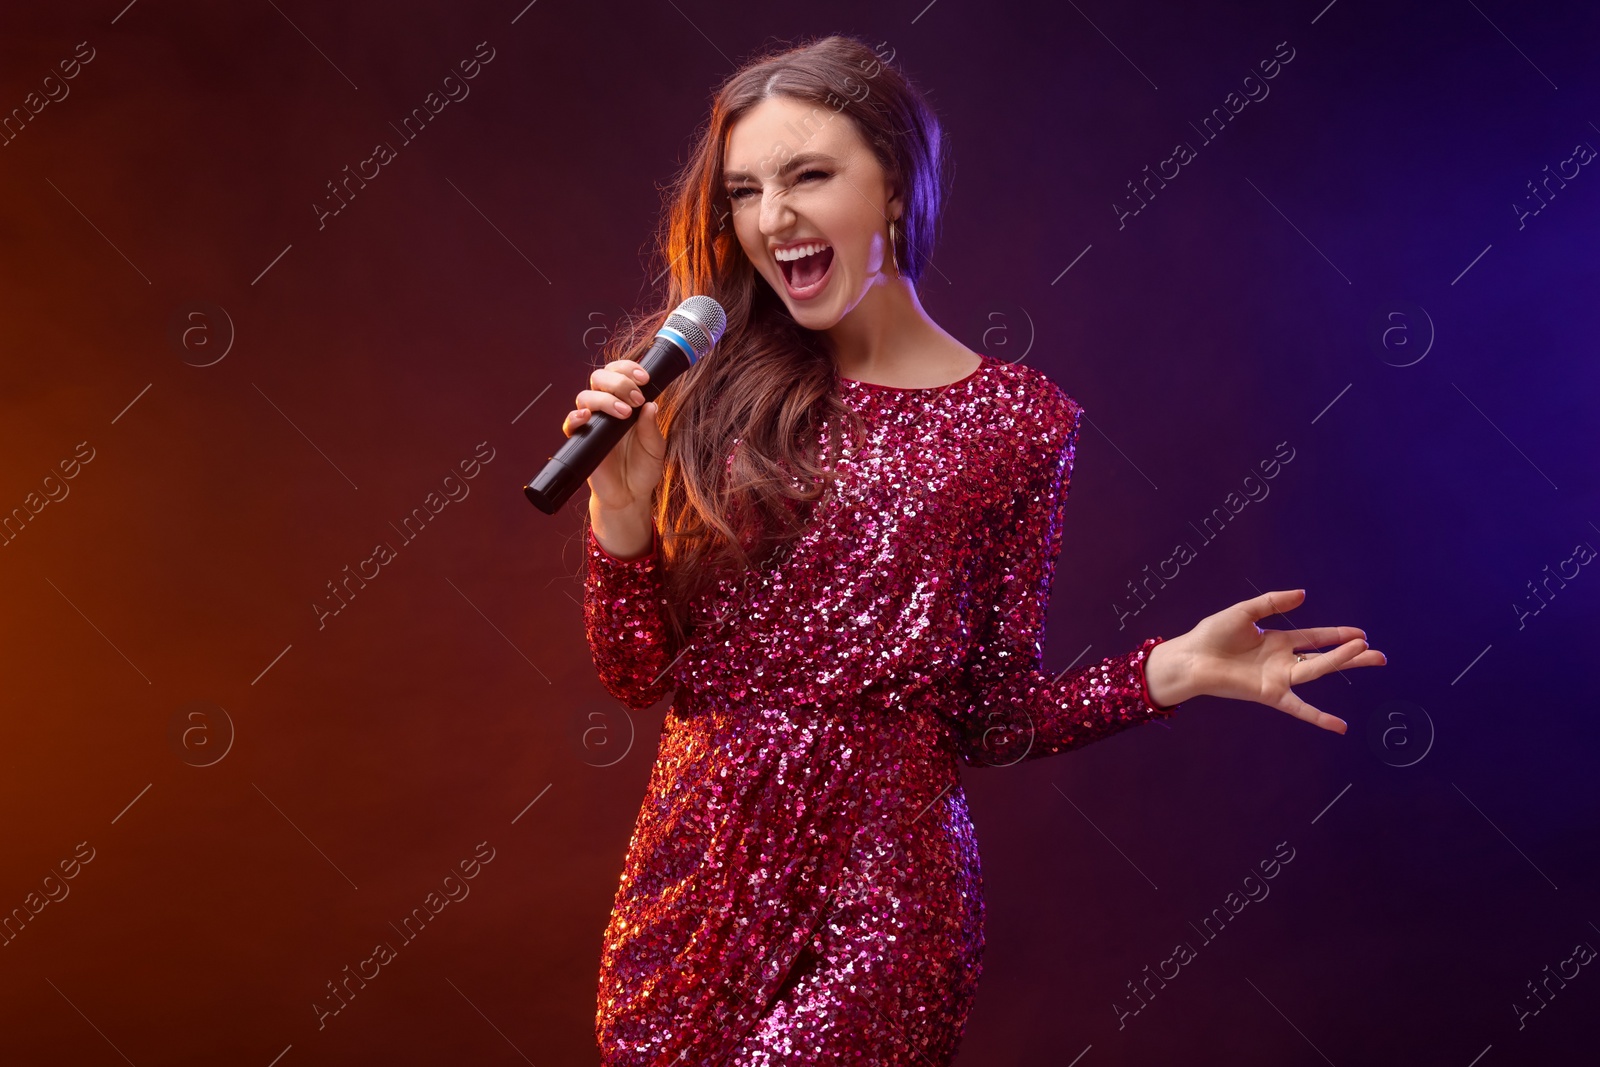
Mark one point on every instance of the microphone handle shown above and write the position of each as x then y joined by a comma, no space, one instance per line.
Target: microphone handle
590,443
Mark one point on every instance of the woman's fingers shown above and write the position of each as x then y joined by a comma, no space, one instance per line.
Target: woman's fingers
606,401
575,418
1352,640
1251,655
1301,710
1315,637
1353,652
629,368
1316,664
622,379
1273,602
649,433
614,388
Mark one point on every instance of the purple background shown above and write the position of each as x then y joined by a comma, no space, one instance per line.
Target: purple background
1444,849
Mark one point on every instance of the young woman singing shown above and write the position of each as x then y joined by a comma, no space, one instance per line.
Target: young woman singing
833,542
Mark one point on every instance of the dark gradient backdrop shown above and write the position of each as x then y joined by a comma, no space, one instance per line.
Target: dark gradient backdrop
223,786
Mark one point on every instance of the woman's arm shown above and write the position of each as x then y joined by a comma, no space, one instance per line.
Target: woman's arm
1018,712
625,621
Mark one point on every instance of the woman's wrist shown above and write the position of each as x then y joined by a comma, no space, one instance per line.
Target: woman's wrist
1169,672
622,533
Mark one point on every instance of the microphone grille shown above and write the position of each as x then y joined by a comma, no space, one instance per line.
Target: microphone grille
701,320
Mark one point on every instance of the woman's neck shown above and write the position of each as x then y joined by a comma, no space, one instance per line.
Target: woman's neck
888,337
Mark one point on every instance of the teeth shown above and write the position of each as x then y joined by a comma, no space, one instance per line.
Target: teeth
788,255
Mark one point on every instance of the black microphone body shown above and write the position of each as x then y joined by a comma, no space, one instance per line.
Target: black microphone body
689,333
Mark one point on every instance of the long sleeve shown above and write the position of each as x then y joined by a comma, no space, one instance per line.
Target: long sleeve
625,621
1018,712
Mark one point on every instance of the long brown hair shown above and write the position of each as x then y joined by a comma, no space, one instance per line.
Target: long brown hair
742,466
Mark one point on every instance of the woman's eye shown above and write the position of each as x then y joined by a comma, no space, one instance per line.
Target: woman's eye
744,191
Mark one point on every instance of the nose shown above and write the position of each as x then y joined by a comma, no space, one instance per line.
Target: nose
775,214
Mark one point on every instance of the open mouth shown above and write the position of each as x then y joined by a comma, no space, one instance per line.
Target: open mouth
807,269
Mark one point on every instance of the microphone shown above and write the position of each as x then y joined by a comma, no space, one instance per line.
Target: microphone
689,333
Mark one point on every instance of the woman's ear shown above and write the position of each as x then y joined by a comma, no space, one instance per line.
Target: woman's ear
894,208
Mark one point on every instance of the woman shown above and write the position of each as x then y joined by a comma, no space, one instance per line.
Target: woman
834,543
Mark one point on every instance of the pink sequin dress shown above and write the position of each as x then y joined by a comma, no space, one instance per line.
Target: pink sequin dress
803,883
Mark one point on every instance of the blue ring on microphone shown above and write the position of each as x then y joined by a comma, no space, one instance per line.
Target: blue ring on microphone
680,340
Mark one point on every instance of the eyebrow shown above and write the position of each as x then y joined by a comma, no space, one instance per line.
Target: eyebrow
796,161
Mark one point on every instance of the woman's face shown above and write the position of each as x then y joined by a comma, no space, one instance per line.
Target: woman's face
800,178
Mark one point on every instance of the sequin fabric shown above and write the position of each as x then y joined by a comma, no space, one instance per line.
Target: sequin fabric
803,883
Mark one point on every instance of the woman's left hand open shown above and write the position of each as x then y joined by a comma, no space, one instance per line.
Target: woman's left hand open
1229,655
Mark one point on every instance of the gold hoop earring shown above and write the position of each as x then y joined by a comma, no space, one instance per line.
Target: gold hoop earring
894,246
